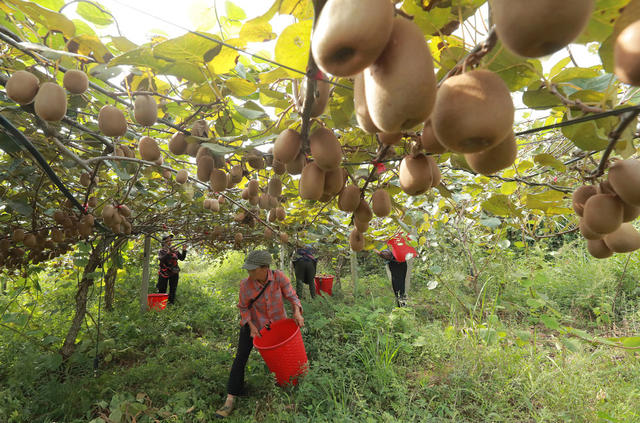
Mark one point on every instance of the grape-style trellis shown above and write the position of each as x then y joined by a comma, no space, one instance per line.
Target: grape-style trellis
67,186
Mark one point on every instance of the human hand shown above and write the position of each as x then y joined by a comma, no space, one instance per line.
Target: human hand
297,316
254,331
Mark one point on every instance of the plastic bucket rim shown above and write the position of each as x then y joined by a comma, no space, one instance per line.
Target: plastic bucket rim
270,347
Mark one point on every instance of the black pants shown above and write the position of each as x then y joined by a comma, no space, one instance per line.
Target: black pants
173,286
305,273
235,385
398,275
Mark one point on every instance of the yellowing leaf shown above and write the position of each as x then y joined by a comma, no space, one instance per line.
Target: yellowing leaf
240,87
548,160
91,46
500,205
226,59
123,44
524,165
508,188
257,30
292,47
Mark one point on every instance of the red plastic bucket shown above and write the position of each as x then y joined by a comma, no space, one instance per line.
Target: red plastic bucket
324,283
282,349
157,301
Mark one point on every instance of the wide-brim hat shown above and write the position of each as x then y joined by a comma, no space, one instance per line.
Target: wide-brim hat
256,259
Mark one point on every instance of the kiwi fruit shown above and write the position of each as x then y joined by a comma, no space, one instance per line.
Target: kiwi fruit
536,29
30,241
204,151
586,232
85,179
268,234
281,214
18,235
166,174
333,182
626,55
178,143
356,240
580,196
278,167
603,213
389,139
349,35
200,128
598,249
295,166
473,112
381,203
124,210
182,176
128,152
287,146
92,202
22,87
117,152
192,148
218,180
263,201
214,205
85,230
274,187
245,194
149,149
145,110
363,212
629,212
311,185
320,99
238,237
271,216
415,174
239,216
436,176
624,177
255,160
51,102
205,166
361,225
325,148
254,187
75,81
360,105
254,200
429,142
159,161
400,86
221,199
495,158
623,240
349,199
57,235
236,173
284,238
111,121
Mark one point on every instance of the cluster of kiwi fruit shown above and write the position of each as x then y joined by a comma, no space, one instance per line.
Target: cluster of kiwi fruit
607,209
41,246
49,98
117,218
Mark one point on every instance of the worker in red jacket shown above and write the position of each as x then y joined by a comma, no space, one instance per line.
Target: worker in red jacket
169,270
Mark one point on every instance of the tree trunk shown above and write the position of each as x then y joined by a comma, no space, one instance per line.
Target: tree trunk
283,248
95,260
354,271
110,287
144,286
337,284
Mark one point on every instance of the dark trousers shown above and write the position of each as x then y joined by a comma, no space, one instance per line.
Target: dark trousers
305,273
235,385
398,275
173,286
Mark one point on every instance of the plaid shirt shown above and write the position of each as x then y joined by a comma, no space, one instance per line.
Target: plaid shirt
270,306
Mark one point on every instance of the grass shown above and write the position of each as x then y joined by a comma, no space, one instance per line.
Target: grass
368,361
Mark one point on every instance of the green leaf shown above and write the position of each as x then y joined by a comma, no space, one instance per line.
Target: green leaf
538,97
545,159
8,144
123,44
602,20
516,71
190,48
292,47
591,135
240,87
217,148
93,14
500,205
53,21
235,12
20,206
550,322
490,222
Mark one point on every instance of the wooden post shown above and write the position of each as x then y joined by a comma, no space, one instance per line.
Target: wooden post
283,248
354,271
144,286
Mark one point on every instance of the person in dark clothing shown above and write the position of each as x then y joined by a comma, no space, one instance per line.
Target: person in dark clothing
169,270
304,265
398,271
